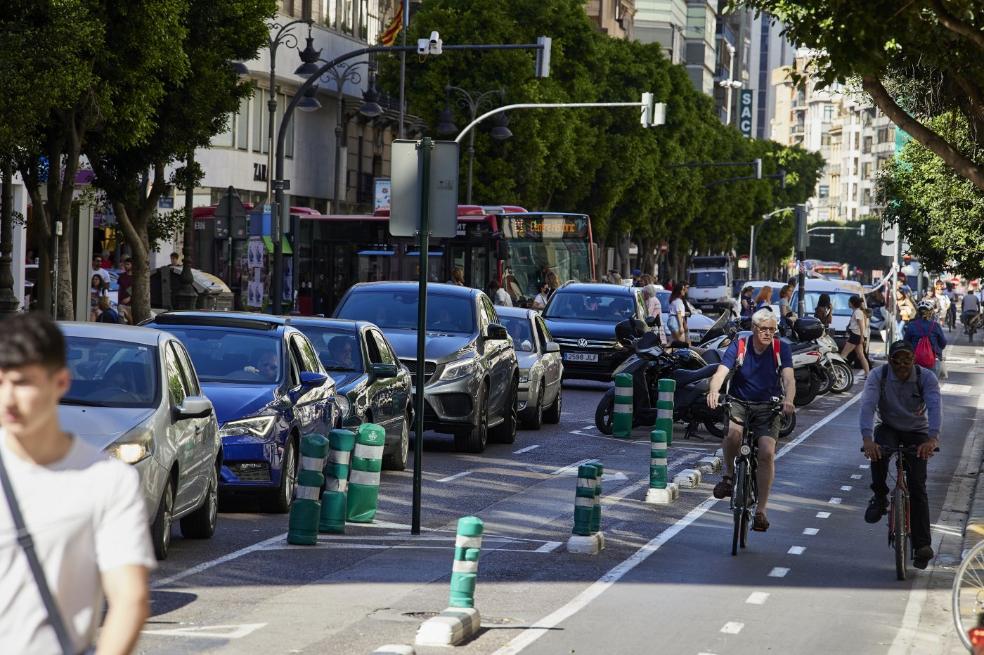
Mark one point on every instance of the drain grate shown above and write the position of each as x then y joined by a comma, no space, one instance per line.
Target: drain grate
421,615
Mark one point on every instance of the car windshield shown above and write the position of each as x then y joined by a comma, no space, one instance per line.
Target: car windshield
590,306
775,293
520,331
108,373
233,356
839,301
397,310
708,279
338,348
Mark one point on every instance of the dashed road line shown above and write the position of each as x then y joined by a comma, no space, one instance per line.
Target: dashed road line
835,501
811,531
778,572
732,627
846,487
856,476
796,550
864,466
452,478
757,598
823,515
548,547
526,450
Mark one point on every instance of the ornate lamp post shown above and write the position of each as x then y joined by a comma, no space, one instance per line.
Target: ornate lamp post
473,104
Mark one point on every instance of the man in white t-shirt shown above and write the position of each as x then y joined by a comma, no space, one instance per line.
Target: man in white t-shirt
83,510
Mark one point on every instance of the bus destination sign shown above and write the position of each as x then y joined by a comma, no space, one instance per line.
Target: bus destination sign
544,226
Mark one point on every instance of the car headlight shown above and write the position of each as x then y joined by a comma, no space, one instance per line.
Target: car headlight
344,406
133,446
459,369
255,426
524,376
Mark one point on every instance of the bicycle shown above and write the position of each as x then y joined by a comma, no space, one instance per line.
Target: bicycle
744,495
899,524
967,601
951,316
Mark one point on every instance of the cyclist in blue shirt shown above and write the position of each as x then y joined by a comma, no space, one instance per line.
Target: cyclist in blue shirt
761,368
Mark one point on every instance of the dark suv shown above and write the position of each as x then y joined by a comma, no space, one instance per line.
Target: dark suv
472,378
582,319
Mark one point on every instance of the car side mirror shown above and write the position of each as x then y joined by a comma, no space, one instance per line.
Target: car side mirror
311,379
194,407
553,347
382,371
496,331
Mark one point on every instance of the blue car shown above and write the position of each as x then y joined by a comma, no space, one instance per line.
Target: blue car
268,388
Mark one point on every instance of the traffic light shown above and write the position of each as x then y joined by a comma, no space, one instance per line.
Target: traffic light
543,57
647,110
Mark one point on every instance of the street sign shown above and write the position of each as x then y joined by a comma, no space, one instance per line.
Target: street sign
406,167
746,100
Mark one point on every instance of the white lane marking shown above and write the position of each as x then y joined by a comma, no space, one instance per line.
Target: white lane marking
823,515
846,487
204,566
563,470
864,466
526,450
588,427
339,545
778,572
548,547
811,531
583,599
796,550
452,478
757,598
703,653
856,476
955,388
835,501
732,627
210,631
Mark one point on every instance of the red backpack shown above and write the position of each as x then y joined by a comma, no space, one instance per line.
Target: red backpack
925,355
743,346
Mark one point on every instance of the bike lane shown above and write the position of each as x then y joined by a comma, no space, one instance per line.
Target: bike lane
820,580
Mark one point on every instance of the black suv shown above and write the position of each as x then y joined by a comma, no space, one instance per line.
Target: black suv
582,318
472,379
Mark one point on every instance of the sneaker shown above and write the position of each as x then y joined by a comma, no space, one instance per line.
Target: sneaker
724,488
877,508
920,558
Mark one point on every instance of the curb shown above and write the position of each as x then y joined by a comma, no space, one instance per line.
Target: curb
449,628
663,496
586,544
688,479
974,528
708,465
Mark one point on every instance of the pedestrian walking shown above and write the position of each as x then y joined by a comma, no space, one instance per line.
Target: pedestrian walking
82,511
857,330
823,311
499,295
97,289
106,312
457,277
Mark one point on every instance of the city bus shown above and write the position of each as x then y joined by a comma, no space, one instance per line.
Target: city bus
326,254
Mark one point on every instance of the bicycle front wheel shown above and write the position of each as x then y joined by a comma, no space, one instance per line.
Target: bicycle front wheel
900,534
968,593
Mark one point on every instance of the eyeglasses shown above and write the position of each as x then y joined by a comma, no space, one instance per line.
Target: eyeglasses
768,330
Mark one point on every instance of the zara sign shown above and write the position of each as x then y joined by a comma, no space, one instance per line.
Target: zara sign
745,100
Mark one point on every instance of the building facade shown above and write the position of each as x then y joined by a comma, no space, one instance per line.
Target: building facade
663,22
613,17
770,50
701,43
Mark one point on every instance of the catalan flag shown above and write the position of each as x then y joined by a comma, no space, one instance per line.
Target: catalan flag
388,37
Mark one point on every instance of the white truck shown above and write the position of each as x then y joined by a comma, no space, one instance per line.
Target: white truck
710,279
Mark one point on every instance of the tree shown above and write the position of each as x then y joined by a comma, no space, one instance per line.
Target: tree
192,110
938,212
126,56
916,60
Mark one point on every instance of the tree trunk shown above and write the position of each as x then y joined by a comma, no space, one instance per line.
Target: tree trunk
135,229
647,260
66,288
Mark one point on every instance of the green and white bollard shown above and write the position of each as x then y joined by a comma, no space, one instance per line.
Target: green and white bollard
661,490
587,537
367,463
664,408
461,620
302,526
333,500
622,411
464,570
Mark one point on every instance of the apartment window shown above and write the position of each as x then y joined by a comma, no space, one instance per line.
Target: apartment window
282,101
369,26
824,191
224,139
866,197
347,20
857,140
242,125
825,139
259,121
866,148
828,113
866,170
329,9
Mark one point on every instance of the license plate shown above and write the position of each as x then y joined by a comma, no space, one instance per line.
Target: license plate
580,357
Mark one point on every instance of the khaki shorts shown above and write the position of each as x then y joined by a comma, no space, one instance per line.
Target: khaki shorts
762,423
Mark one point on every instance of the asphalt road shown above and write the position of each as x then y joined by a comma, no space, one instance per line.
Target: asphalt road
821,580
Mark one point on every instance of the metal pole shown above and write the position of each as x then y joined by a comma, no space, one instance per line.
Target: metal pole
540,105
426,145
8,299
801,283
471,163
403,64
339,108
751,254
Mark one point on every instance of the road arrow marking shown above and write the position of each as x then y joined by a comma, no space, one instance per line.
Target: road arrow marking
210,631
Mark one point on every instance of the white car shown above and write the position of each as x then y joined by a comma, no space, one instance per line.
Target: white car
540,366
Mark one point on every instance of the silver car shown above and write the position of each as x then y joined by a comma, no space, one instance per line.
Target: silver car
135,394
540,366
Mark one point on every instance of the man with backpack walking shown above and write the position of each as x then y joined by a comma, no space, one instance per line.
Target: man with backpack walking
73,526
761,368
908,403
926,337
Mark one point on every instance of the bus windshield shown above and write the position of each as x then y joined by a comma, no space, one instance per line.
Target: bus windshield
542,244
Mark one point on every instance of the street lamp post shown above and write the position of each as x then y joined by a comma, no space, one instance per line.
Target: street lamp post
473,103
751,241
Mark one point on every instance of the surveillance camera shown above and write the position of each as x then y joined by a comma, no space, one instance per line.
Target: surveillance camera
431,46
435,38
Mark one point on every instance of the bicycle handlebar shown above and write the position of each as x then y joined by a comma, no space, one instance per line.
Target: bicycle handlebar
906,450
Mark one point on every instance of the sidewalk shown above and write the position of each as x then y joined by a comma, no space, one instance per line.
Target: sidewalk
962,356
